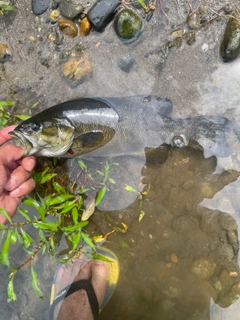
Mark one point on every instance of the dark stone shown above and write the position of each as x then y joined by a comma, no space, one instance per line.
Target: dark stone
102,12
128,25
40,6
55,4
126,63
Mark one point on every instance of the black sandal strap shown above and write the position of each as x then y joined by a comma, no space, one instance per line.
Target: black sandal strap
84,284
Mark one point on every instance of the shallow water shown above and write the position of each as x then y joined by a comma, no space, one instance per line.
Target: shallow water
181,260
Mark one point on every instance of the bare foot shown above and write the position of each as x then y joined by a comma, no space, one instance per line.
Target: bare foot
76,306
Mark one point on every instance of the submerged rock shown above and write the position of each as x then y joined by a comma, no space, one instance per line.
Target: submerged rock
102,12
77,71
70,9
68,27
40,6
126,63
128,25
85,27
230,46
5,53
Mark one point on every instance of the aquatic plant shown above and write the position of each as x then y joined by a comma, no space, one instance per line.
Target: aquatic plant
52,212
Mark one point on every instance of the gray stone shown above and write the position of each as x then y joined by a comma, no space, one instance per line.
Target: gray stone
70,9
40,6
126,63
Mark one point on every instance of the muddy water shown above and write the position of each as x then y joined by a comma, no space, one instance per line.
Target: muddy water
181,260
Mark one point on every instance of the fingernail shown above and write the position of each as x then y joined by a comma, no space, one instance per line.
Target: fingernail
15,193
11,183
31,163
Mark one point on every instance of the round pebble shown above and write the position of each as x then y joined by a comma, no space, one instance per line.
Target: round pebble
203,268
68,27
40,6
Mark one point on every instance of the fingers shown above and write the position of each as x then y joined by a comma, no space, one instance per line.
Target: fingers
28,163
10,154
4,136
23,189
16,178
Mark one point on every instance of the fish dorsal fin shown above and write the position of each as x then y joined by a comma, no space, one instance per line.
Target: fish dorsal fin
90,139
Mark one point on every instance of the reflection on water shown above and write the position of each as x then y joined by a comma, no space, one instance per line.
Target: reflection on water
181,254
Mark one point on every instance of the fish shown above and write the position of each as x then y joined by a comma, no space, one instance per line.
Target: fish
115,126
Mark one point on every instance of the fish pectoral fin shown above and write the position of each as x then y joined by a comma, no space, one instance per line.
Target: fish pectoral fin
90,139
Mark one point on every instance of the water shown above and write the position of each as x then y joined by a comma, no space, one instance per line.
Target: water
181,260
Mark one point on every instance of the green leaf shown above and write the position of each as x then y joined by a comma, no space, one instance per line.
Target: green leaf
75,227
47,177
52,226
81,191
60,189
68,206
75,240
5,250
75,215
7,8
129,188
10,289
111,180
100,195
82,164
26,238
7,103
44,249
3,227
24,213
4,213
59,199
31,202
100,173
97,256
54,160
14,237
52,246
88,241
42,236
35,283
22,117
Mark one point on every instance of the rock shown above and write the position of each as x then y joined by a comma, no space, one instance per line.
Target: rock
70,9
188,185
68,27
230,46
227,222
85,27
40,6
55,4
102,12
5,53
207,190
128,26
203,267
185,223
54,15
76,71
126,63
174,258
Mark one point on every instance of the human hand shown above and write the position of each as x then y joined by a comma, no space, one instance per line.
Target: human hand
15,180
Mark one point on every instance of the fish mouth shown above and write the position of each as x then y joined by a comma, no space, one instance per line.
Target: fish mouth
21,141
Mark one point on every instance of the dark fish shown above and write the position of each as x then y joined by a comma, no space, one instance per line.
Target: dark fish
116,126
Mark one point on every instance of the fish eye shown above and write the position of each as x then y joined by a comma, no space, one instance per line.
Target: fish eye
35,126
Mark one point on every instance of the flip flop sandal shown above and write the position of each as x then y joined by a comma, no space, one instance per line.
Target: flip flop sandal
69,271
